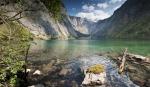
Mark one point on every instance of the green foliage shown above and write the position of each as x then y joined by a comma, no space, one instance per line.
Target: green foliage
14,40
54,6
21,4
13,81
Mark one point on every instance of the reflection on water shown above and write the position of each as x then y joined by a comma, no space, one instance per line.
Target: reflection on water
74,48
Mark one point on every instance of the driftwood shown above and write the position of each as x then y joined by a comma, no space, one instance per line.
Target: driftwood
134,58
122,65
138,58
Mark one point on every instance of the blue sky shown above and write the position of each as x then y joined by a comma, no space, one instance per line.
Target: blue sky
93,10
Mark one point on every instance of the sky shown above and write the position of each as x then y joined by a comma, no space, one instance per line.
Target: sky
92,10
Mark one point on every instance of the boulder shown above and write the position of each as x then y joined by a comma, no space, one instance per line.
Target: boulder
95,75
97,79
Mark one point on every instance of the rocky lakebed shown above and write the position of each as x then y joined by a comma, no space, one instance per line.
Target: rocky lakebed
70,73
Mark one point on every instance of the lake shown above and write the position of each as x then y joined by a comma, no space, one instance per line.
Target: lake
67,49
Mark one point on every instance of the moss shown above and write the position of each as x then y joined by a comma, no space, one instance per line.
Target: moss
96,69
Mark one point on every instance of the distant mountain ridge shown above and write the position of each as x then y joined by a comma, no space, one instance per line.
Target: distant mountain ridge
130,21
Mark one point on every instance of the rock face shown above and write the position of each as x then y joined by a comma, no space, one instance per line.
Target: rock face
131,21
79,24
40,22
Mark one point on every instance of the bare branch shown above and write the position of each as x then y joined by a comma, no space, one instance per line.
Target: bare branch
122,65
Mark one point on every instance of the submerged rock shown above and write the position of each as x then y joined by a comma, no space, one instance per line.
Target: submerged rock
64,72
70,74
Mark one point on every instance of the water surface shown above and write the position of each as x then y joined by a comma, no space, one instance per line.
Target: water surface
56,55
73,48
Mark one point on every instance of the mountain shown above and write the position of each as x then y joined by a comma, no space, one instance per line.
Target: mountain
82,25
48,20
39,16
130,21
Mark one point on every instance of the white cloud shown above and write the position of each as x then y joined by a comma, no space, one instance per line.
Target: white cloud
99,11
92,13
115,1
94,16
88,8
102,5
91,8
117,7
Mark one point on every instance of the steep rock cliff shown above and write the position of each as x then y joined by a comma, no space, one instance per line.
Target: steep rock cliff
39,20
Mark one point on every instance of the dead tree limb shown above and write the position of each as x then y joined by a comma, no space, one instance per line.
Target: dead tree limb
26,58
14,18
122,65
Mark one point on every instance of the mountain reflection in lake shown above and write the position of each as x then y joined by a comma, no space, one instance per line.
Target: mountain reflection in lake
44,50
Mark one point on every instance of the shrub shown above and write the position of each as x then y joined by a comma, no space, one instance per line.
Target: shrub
14,40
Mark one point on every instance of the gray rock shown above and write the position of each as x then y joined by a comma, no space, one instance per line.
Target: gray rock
64,72
91,78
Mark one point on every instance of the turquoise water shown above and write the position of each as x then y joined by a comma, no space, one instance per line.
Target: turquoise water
55,55
47,49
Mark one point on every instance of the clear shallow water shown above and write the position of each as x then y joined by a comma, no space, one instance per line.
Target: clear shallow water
77,54
113,78
74,48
